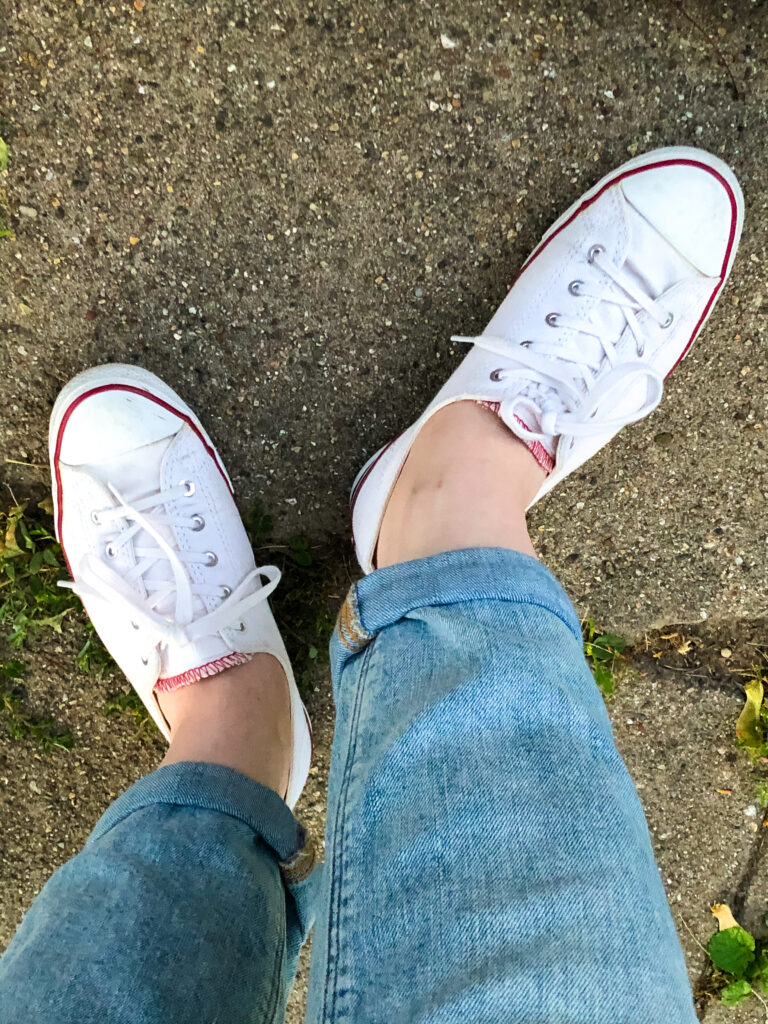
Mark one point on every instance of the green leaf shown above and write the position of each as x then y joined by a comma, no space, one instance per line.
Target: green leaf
749,732
601,653
299,550
12,669
4,154
759,971
50,558
613,641
735,993
29,543
301,557
732,950
312,653
604,678
36,562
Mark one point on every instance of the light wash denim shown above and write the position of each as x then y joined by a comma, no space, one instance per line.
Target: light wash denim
487,859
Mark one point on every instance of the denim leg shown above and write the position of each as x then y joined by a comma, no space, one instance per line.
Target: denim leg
187,904
487,858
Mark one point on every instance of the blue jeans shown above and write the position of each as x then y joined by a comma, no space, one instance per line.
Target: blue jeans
487,859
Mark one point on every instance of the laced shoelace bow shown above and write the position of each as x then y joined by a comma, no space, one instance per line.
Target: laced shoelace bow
576,387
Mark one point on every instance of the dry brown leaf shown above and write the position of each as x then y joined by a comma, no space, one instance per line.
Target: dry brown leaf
724,917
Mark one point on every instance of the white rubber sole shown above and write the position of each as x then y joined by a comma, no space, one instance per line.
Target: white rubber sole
125,375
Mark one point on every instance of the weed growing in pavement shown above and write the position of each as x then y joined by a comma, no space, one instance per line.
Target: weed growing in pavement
31,566
740,960
22,723
603,652
32,603
5,230
752,724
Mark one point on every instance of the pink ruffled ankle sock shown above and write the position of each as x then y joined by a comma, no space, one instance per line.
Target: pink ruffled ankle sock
543,457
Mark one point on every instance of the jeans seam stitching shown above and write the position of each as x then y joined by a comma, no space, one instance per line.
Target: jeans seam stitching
338,834
272,1014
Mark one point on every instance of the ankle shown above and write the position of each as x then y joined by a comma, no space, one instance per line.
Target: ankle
467,482
240,718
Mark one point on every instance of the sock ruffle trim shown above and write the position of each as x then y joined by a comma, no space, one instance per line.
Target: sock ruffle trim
194,675
536,448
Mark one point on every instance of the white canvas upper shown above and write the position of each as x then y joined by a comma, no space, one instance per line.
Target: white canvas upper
155,544
603,310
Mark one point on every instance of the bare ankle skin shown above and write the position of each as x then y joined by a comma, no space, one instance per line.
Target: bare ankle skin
240,718
466,483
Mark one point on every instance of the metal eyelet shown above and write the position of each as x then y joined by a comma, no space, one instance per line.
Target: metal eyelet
225,590
496,376
110,551
211,558
594,251
553,319
574,286
526,344
668,322
145,661
198,522
240,627
189,488
135,625
95,518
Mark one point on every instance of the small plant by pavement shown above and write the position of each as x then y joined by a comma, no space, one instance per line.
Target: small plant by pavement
31,566
752,724
5,230
604,652
740,960
31,604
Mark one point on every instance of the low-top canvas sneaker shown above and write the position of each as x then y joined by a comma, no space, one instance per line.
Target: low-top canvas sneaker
155,544
603,310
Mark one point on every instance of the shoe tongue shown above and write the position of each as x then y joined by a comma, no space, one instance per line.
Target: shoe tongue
136,475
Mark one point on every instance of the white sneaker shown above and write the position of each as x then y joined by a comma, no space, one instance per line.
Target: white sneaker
602,311
154,542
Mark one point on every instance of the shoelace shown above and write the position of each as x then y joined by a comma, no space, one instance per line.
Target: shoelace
97,579
577,375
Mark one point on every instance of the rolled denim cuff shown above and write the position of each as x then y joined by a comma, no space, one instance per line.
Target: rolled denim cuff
216,788
453,577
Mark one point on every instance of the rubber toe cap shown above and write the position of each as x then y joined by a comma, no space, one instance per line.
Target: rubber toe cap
111,422
694,206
